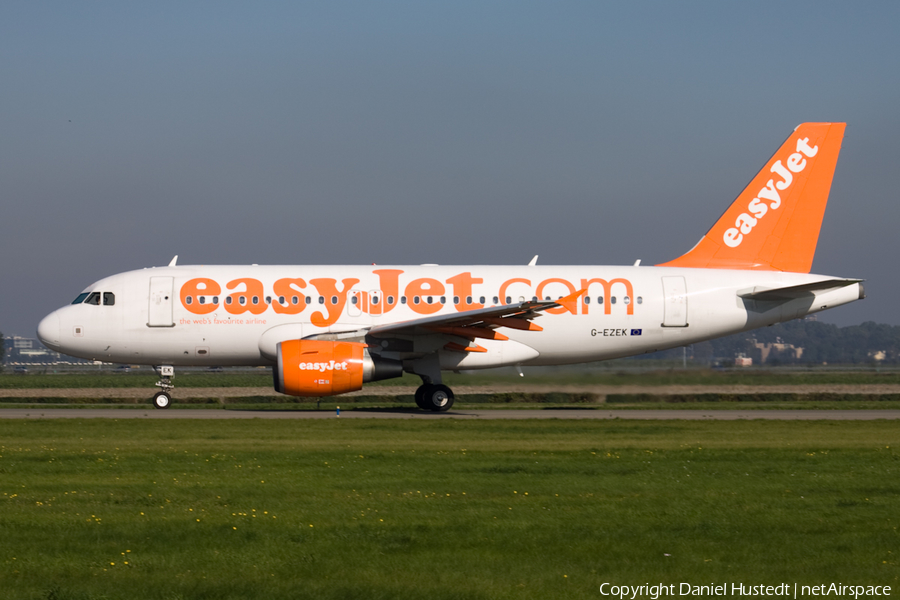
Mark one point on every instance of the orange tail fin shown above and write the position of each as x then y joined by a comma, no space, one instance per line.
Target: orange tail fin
774,224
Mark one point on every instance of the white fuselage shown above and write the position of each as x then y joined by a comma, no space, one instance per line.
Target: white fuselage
163,316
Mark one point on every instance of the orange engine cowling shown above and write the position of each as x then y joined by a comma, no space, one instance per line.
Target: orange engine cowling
324,368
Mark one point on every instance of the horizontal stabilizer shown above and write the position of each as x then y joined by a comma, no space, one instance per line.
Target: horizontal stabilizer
795,291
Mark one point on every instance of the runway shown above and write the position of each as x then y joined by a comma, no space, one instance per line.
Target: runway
411,413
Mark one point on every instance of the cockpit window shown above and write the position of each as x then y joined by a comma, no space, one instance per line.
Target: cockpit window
109,298
80,298
93,298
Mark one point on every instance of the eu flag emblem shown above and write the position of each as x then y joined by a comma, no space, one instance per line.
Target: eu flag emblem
636,331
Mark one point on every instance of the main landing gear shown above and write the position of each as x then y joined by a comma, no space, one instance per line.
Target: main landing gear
163,398
436,397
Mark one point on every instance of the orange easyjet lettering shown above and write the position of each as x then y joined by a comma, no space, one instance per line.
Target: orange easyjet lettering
745,223
509,282
462,287
422,295
252,299
607,292
294,299
195,289
200,296
334,299
560,309
389,283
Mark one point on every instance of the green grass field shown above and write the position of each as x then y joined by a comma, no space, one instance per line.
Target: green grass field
439,509
145,378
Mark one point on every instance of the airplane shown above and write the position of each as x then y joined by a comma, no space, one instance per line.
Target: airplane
327,330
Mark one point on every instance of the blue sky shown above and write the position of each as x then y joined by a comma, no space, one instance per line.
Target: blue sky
401,132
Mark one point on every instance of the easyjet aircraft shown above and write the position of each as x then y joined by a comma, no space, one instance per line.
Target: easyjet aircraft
326,330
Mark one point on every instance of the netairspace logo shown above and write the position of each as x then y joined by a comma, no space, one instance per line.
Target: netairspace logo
781,590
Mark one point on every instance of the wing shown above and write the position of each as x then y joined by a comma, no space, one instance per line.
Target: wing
469,325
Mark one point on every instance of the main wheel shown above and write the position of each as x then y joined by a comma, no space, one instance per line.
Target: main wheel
438,398
162,400
420,396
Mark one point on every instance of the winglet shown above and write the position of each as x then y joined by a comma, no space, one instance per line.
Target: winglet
774,224
570,302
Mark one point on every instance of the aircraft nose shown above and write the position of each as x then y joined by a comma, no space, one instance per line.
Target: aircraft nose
48,331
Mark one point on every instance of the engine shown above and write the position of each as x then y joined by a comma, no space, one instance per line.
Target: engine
324,368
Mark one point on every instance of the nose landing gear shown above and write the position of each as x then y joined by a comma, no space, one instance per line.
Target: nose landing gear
163,398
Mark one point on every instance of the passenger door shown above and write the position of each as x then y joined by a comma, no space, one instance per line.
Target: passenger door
675,302
161,302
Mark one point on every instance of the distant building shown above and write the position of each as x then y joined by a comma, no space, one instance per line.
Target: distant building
766,348
30,351
743,361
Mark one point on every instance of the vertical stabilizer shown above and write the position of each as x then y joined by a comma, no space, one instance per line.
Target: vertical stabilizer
774,224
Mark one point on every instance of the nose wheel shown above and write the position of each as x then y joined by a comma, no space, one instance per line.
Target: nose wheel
162,400
434,397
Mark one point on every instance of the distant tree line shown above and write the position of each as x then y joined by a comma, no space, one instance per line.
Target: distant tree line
868,343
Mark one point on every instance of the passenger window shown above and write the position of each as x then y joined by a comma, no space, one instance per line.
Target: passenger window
109,299
481,300
415,300
429,299
190,300
295,300
444,300
468,299
455,299
268,299
599,299
255,299
242,300
334,299
94,299
215,299
587,299
228,300
80,298
627,300
534,299
281,300
353,299
202,299
496,300
612,300
508,300
390,300
321,299
402,299
309,300
640,300
375,300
